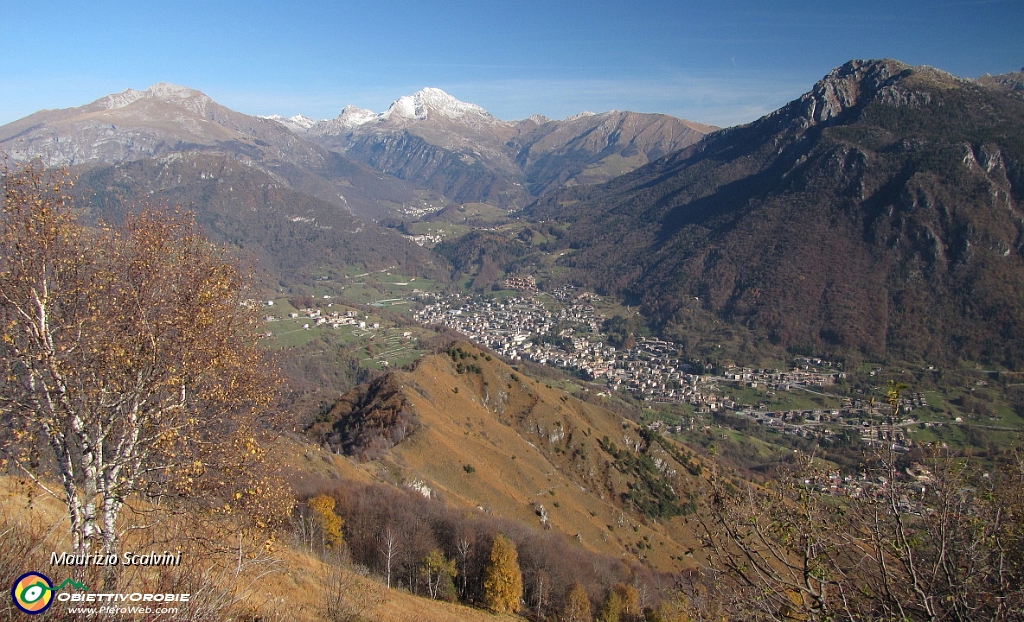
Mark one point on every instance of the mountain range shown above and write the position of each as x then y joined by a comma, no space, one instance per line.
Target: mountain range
461,151
880,213
428,141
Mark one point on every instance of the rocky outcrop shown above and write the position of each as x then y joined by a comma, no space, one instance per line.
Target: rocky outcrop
369,420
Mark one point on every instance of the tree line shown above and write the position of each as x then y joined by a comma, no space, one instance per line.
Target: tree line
421,545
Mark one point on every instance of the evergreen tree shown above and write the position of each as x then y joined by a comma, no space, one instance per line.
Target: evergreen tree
611,610
503,582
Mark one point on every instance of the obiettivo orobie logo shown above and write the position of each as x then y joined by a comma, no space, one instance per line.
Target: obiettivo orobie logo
33,592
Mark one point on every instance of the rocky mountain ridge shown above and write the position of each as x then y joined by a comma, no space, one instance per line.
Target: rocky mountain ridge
160,120
1013,81
881,213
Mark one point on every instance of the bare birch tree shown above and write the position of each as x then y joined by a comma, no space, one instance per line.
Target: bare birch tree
127,358
388,541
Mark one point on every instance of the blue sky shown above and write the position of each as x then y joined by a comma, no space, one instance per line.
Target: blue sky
724,64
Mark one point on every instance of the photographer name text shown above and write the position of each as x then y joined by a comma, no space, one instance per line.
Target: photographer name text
129,558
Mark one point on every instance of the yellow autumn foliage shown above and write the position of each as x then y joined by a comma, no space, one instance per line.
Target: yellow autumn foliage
503,581
329,523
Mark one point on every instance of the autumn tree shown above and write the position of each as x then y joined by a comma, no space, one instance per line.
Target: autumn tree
611,609
328,523
672,609
951,548
439,572
577,605
779,547
129,360
503,581
621,605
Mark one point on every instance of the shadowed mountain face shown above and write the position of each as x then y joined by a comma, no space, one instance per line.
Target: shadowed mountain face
291,234
881,212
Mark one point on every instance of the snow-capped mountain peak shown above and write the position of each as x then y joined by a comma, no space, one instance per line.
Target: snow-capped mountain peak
426,103
419,105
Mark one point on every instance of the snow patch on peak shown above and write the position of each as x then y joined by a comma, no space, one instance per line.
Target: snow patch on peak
299,121
582,115
404,108
353,116
172,93
302,121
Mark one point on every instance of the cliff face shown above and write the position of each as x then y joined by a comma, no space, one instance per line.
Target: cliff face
462,174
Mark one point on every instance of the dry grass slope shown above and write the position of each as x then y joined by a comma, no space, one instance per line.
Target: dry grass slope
490,438
254,582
